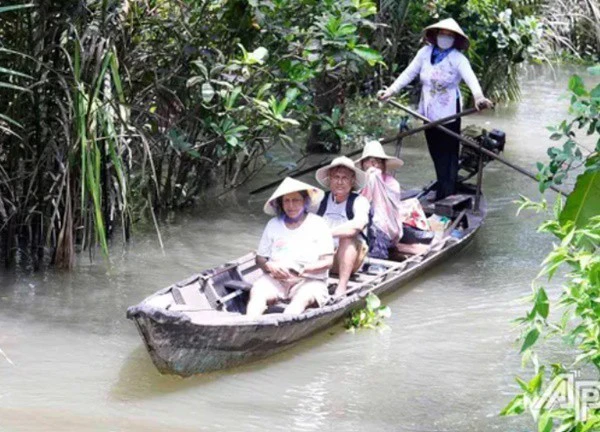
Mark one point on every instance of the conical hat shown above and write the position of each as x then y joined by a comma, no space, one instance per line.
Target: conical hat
462,41
374,149
322,174
289,185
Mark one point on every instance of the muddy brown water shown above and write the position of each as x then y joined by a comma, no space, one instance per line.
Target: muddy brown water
447,363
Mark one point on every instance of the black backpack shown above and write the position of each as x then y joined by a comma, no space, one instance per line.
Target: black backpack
349,211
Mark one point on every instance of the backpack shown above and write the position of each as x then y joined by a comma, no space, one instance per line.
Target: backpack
349,212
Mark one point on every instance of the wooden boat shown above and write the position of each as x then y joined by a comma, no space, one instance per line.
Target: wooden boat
197,325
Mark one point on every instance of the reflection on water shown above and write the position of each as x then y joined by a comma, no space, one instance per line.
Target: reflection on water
447,364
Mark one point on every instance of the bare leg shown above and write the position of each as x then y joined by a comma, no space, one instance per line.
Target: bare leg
300,302
307,294
346,256
263,291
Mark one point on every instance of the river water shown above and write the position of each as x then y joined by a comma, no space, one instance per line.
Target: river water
70,361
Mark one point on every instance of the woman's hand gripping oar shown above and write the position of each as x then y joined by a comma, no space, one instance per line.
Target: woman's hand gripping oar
475,146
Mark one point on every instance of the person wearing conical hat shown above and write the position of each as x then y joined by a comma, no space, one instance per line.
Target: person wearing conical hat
441,66
295,251
390,213
347,214
374,156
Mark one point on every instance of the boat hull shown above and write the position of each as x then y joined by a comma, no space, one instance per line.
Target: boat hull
182,347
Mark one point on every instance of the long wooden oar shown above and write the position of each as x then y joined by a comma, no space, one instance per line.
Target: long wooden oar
469,142
383,141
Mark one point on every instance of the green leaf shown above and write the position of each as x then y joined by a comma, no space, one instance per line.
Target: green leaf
14,87
541,303
545,422
590,423
373,302
556,136
15,7
370,55
584,202
385,312
10,120
514,407
530,339
524,385
259,55
577,86
194,80
208,92
15,73
535,384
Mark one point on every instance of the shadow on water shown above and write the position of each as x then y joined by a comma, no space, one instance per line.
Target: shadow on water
139,378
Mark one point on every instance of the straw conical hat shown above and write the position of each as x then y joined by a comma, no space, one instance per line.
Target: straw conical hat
289,185
374,149
462,41
322,174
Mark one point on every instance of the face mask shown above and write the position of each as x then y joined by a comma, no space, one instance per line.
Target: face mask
445,41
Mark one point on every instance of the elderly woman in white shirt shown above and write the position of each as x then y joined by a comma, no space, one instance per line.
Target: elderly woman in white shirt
441,66
295,251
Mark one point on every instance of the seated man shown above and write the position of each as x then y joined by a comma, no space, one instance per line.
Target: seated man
295,251
347,214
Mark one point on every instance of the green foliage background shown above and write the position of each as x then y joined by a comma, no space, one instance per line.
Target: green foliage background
114,111
576,227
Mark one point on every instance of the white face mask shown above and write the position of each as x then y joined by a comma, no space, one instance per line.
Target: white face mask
445,41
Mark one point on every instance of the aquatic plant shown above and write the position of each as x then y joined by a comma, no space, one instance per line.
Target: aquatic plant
576,226
372,316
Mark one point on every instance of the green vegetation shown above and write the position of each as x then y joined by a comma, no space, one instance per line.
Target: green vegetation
113,110
372,316
119,111
503,35
576,226
572,29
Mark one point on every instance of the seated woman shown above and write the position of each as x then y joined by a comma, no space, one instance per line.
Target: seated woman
373,156
295,251
389,212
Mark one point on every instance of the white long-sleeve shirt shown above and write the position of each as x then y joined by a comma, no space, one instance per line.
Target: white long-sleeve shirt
440,82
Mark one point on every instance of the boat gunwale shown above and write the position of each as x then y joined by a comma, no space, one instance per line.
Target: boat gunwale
276,319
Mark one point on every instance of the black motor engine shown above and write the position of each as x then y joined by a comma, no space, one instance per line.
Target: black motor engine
469,157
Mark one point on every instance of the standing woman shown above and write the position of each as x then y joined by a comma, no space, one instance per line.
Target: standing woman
441,66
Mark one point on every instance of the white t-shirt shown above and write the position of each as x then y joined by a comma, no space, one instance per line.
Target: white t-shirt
304,244
335,213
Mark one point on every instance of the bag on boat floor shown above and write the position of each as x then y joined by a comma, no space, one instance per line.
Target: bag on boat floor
379,243
414,235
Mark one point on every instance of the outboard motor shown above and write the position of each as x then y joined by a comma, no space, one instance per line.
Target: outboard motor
493,141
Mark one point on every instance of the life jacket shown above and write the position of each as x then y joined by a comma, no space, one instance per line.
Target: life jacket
349,211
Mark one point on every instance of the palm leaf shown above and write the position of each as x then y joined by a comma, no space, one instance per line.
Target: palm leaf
584,202
15,7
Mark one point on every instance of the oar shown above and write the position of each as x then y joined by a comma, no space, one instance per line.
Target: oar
428,126
383,141
475,146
